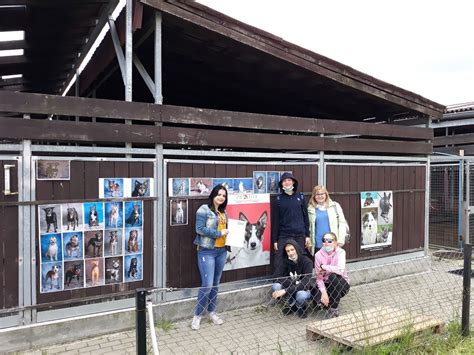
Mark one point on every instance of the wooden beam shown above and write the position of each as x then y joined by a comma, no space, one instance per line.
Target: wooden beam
467,138
77,106
12,18
71,131
20,44
219,138
219,118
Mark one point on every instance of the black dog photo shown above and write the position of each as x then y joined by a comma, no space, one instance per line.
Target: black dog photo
73,274
49,218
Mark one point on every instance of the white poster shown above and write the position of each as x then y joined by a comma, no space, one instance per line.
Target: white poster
376,219
236,236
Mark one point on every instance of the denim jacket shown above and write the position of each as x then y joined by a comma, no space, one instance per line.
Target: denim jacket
206,227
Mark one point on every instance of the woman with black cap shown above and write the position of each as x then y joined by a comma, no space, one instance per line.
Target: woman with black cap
289,217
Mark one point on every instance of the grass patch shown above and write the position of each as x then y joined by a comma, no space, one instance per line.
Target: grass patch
165,324
261,309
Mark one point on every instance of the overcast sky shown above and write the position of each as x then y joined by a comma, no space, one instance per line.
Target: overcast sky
419,45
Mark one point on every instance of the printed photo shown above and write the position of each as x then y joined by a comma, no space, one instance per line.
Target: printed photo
113,241
273,178
73,245
134,214
142,187
243,185
134,240
111,187
113,214
93,215
73,274
53,170
94,272
376,220
72,217
369,199
369,226
113,270
259,182
178,212
227,183
49,218
386,208
178,187
201,186
51,247
51,277
133,268
93,244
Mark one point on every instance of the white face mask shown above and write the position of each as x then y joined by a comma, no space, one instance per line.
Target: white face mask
286,189
328,248
294,259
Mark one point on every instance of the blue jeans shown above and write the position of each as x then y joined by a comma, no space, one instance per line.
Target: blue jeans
301,296
211,263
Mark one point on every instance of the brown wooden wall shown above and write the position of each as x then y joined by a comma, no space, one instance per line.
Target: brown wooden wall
9,240
346,182
84,184
181,264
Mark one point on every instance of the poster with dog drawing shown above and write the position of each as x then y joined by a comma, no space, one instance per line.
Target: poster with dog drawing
178,212
200,186
133,268
178,187
72,217
73,274
376,219
95,272
51,277
254,209
259,182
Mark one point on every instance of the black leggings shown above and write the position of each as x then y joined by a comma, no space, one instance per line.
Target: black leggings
336,287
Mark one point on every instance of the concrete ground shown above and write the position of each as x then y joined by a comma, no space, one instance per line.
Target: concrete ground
264,330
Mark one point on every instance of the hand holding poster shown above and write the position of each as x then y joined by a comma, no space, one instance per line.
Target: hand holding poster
236,236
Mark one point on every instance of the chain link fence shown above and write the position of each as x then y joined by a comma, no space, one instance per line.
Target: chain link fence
386,304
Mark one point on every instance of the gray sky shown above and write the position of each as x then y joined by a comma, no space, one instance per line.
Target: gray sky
419,45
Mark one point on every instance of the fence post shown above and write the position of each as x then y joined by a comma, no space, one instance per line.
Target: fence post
466,290
140,319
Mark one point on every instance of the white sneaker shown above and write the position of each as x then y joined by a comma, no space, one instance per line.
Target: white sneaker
215,318
196,323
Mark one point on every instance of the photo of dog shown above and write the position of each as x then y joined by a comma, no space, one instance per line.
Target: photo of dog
369,227
71,217
93,244
48,218
200,186
253,253
273,177
134,213
73,245
51,247
74,274
178,187
369,200
134,241
226,182
113,270
113,187
113,242
259,182
386,207
94,272
141,187
94,215
178,212
113,214
51,280
243,185
133,267
53,170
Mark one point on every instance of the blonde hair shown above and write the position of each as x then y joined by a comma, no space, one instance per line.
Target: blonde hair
333,235
317,190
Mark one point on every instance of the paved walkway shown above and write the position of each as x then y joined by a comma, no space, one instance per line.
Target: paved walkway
264,330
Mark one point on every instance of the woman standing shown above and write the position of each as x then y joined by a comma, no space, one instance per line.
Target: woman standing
211,229
331,277
325,215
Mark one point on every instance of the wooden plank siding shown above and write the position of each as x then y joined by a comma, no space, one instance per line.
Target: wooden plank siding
84,184
181,264
345,182
9,252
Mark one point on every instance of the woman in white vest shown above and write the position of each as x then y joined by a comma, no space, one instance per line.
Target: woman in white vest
325,215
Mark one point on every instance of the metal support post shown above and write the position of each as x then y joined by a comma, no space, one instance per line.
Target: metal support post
466,289
140,310
427,204
460,202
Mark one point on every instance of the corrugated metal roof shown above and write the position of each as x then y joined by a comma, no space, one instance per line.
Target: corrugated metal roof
467,106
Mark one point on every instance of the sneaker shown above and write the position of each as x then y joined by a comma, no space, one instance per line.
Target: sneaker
332,313
215,318
196,323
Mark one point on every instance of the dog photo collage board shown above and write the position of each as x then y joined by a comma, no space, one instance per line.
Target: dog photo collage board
90,244
376,219
126,187
262,182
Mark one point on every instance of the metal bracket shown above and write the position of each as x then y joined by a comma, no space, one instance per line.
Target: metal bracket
7,191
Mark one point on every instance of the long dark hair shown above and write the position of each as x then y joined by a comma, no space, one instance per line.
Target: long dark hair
214,193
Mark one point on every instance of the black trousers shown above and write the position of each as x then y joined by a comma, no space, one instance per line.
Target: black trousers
336,287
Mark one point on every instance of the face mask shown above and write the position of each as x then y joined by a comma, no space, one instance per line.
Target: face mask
294,259
286,189
328,248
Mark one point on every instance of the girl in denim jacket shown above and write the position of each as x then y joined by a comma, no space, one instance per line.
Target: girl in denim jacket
211,230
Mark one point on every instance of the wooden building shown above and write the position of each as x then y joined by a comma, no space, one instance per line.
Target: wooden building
179,90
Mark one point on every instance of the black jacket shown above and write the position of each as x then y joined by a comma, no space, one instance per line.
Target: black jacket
295,276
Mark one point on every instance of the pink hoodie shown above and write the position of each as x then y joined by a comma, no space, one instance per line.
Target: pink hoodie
334,262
